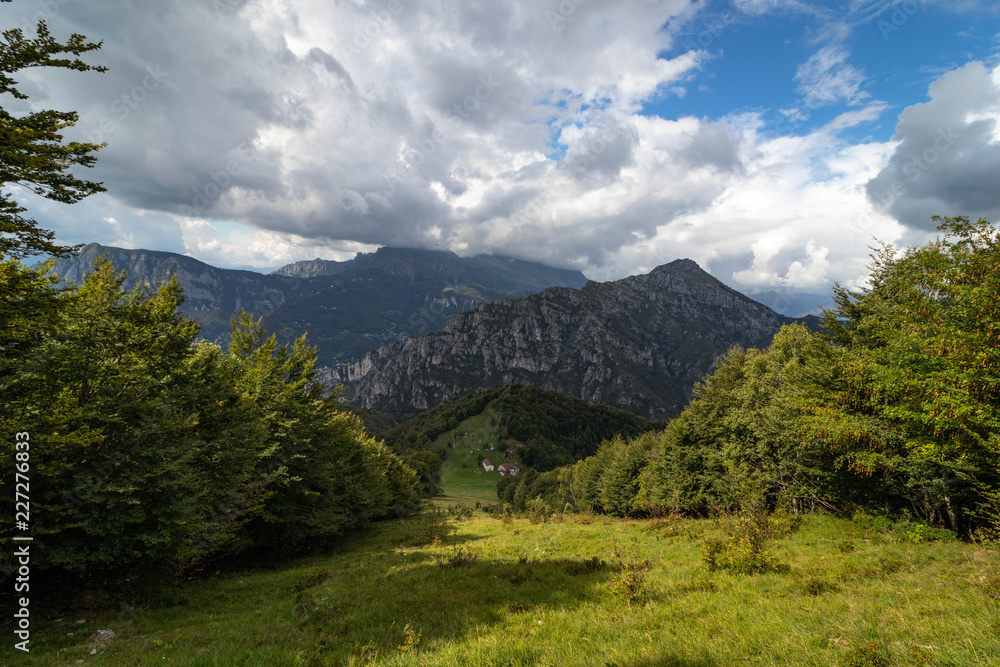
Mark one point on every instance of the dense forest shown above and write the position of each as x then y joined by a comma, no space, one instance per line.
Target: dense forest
894,407
155,451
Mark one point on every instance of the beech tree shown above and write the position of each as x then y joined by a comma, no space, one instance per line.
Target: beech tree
923,369
33,153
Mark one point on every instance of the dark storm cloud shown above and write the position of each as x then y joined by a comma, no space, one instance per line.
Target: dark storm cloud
948,155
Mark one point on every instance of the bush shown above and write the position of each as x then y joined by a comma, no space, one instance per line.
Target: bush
745,547
991,586
629,584
538,510
460,512
411,639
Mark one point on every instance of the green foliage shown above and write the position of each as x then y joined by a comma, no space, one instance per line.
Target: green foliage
556,429
162,452
32,153
921,399
895,407
630,583
745,547
411,639
377,424
545,429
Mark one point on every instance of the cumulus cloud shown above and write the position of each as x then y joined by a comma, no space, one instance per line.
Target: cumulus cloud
265,131
947,152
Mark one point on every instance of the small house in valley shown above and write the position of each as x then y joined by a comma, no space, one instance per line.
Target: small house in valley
511,469
488,465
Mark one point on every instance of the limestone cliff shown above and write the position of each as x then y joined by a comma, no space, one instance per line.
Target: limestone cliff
640,343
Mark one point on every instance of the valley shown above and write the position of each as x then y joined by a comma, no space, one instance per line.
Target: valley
764,431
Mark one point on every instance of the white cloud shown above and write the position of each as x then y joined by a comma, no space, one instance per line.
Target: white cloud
288,130
827,78
228,245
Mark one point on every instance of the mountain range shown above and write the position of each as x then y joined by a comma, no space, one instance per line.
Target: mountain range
405,330
640,343
348,308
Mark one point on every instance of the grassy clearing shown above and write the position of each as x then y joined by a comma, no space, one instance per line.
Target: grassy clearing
422,591
463,478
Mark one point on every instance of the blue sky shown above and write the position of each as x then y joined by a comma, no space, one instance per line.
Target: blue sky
898,48
769,140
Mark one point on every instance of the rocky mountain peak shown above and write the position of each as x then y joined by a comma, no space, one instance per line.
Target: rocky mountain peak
639,343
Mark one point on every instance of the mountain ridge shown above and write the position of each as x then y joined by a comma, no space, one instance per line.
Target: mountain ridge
348,308
639,343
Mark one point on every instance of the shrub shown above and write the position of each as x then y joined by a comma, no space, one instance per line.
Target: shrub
785,523
919,532
460,512
630,584
432,527
537,510
746,546
411,639
871,524
991,586
846,546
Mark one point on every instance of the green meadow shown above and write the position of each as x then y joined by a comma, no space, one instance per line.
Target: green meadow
462,476
465,588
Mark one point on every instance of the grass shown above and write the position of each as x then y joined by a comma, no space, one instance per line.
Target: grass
462,476
425,591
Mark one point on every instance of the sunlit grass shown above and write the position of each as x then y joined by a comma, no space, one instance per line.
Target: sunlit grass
538,594
462,476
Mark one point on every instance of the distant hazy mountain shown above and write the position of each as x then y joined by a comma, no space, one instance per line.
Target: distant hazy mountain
639,343
347,308
211,294
350,308
795,304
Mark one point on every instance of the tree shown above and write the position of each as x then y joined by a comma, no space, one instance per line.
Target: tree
32,152
923,369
